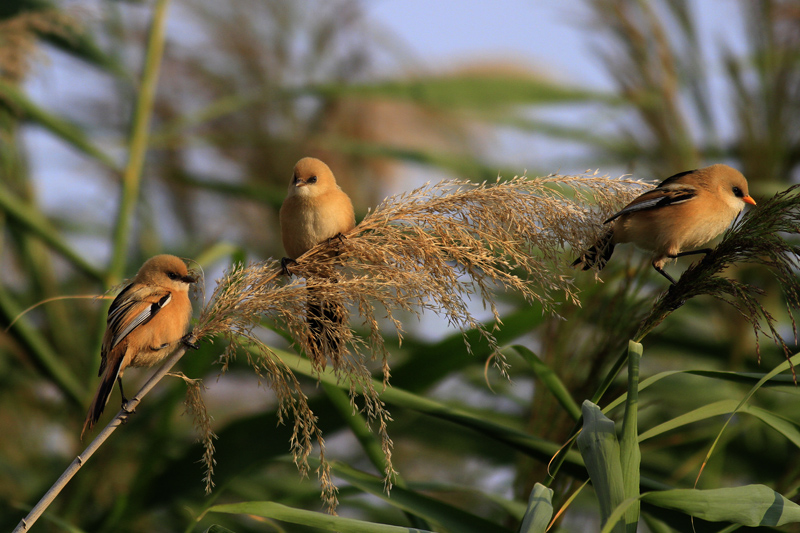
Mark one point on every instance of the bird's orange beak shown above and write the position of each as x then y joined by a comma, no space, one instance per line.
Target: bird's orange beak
749,200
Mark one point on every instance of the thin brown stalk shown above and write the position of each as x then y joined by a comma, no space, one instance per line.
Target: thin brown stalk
120,418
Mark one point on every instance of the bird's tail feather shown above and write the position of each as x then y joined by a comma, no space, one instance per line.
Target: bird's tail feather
598,254
101,398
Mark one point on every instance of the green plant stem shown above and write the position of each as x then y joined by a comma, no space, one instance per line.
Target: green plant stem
131,177
630,454
601,390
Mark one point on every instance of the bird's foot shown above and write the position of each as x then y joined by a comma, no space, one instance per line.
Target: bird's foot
338,237
188,340
678,302
285,262
128,410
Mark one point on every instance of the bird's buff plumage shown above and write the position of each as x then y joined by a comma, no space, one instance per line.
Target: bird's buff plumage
145,323
685,211
315,210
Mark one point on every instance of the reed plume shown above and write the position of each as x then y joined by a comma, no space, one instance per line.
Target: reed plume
435,249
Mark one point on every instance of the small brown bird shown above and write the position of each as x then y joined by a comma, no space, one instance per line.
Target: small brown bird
685,211
145,322
315,210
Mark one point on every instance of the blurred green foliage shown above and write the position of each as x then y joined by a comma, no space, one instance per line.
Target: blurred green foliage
255,86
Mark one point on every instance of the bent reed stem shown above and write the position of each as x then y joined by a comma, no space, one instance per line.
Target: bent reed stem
120,418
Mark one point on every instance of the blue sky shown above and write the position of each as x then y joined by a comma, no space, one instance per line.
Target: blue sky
548,36
544,34
552,37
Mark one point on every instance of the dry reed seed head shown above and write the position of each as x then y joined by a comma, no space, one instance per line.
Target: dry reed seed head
202,422
235,309
432,249
19,36
766,235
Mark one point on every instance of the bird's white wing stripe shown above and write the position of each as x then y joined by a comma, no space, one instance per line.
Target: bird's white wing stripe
146,314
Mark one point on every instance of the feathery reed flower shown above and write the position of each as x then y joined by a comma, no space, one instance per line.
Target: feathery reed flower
433,249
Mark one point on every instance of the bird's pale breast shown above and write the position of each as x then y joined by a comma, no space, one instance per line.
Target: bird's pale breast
306,222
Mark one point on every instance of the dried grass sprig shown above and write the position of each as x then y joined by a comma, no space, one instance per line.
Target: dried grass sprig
196,407
233,313
767,235
18,46
435,249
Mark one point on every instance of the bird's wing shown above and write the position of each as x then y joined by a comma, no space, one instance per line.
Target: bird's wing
675,177
667,194
133,307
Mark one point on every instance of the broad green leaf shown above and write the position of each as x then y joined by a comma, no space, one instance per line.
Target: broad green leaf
465,91
519,440
429,363
772,379
432,510
785,427
550,379
751,505
218,529
369,441
655,525
786,365
620,512
540,510
601,453
323,521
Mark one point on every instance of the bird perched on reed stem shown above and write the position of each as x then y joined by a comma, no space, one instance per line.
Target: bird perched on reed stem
685,211
316,209
145,323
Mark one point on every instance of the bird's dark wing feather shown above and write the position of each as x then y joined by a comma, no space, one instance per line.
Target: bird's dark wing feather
661,196
127,314
675,177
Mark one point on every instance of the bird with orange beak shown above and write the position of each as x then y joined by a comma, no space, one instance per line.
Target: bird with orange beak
683,212
145,323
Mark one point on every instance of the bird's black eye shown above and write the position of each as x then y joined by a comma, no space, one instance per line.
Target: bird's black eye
173,275
312,179
738,192
294,178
